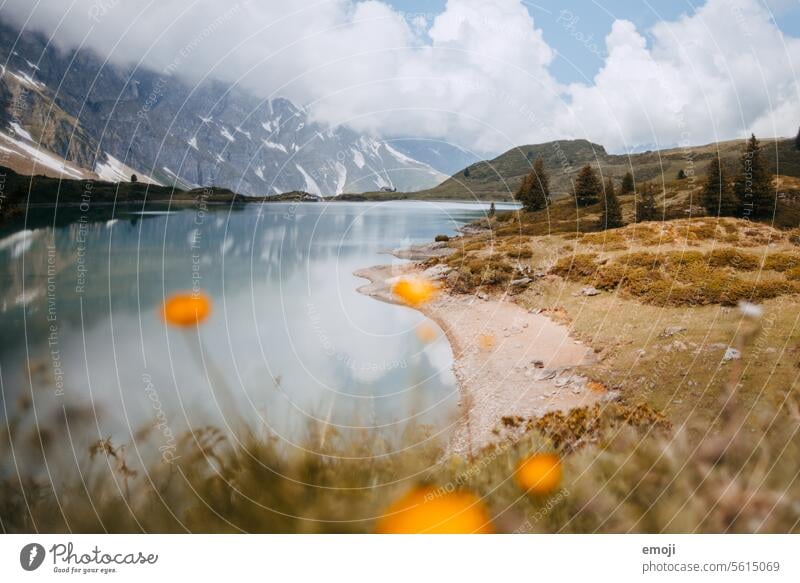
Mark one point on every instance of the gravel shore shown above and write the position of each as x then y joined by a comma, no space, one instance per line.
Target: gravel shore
508,362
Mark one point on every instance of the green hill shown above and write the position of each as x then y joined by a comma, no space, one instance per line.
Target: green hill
499,178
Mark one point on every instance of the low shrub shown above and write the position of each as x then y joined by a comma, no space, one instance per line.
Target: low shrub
731,257
474,272
782,261
684,278
576,267
793,274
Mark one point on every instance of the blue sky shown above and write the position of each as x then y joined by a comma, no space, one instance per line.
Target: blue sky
574,63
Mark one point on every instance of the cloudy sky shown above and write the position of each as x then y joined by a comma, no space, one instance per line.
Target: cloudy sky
486,75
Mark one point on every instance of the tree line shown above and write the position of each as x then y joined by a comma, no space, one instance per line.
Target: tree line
748,195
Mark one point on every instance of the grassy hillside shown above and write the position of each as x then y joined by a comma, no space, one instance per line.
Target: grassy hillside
499,178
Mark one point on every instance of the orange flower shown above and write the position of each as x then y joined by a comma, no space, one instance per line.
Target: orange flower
186,309
596,387
486,341
426,333
415,291
423,510
539,474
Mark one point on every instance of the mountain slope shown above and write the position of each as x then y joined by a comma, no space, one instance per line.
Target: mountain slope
111,121
500,177
444,156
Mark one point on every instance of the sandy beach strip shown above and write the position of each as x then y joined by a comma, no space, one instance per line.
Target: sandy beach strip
508,362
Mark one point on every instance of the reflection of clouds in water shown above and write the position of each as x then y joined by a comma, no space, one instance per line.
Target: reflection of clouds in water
440,357
362,351
227,245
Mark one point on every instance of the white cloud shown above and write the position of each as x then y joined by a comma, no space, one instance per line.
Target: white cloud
723,71
478,74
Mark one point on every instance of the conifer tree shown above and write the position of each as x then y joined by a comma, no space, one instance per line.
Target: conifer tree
627,184
646,207
797,140
612,215
754,183
523,194
587,187
718,197
540,186
534,192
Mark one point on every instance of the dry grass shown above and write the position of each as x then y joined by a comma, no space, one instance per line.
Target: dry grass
680,278
626,469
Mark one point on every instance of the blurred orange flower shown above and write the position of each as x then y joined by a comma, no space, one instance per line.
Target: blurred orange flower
424,510
486,341
186,309
415,291
426,333
539,474
596,387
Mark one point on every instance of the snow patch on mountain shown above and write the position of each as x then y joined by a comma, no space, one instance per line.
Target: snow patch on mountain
311,184
113,170
341,177
20,131
42,157
358,158
275,146
26,79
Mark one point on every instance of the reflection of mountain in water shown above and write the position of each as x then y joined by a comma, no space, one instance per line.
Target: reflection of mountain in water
289,335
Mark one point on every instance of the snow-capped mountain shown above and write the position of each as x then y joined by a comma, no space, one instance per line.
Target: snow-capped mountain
71,114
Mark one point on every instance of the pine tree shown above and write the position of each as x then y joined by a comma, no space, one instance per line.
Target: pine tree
718,197
612,215
753,185
681,174
797,140
540,186
627,184
466,172
492,210
646,207
523,194
587,187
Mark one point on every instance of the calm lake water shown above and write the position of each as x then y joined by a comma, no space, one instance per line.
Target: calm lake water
84,353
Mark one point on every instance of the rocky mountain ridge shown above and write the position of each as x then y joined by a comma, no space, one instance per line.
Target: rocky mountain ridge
71,114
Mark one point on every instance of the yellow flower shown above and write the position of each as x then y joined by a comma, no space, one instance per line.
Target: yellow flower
539,474
186,309
415,291
424,510
426,333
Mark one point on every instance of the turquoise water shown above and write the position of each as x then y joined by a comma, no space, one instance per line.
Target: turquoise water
290,341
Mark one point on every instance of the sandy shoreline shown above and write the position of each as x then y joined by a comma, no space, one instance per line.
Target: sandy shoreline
507,361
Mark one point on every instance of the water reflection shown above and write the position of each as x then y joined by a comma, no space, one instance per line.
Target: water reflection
289,337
